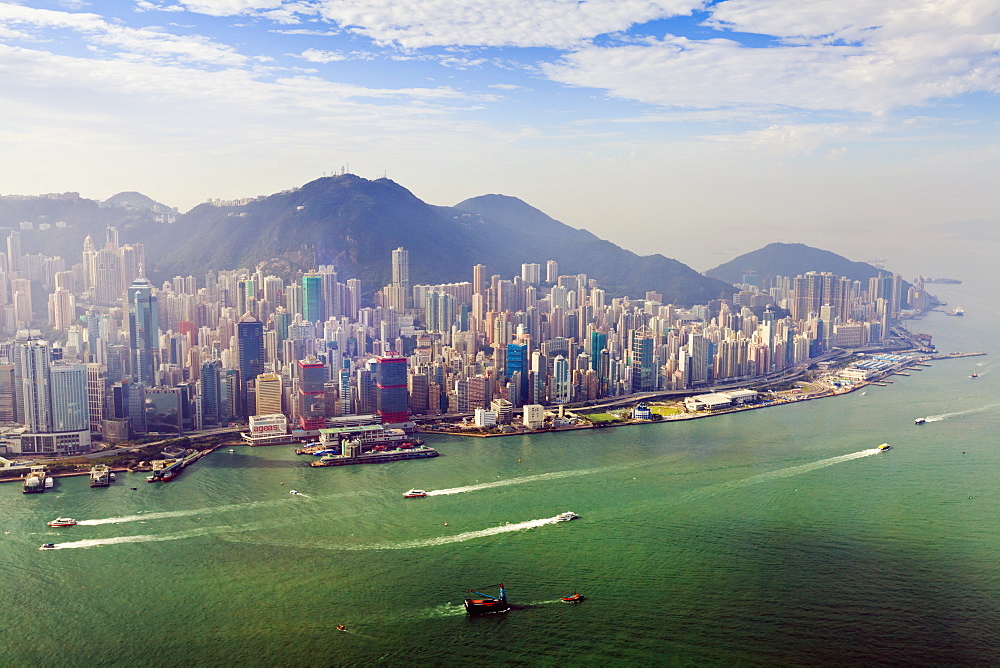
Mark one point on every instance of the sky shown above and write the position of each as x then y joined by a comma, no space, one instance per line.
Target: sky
699,130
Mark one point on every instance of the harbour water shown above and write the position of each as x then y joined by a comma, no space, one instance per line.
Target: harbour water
775,537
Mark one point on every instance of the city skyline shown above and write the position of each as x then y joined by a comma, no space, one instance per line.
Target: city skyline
800,121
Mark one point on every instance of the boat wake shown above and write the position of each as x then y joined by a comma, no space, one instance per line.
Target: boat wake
457,538
142,517
144,538
945,416
555,475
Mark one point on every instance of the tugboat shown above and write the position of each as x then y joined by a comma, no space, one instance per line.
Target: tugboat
415,494
488,604
573,598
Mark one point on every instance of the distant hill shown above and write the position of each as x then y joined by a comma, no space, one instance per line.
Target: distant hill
779,259
135,200
354,223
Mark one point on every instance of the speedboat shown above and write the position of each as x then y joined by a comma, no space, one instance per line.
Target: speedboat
920,421
573,598
884,447
62,522
293,491
415,494
48,546
341,627
566,517
231,451
973,375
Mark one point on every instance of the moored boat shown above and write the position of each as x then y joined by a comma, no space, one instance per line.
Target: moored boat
35,480
62,522
100,475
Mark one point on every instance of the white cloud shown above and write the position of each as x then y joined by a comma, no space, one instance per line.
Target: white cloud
317,56
110,35
856,57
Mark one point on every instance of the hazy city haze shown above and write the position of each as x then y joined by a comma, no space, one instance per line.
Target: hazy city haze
675,117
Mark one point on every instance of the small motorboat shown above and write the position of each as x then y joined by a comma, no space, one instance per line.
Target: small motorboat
62,522
112,477
920,421
133,488
415,494
48,546
231,451
884,447
973,375
293,491
566,517
573,598
341,627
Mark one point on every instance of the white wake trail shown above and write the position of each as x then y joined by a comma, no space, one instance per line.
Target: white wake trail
555,475
945,416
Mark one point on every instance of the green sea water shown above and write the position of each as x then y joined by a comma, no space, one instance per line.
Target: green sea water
771,537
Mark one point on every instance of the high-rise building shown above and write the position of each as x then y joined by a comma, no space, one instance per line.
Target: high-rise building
391,398
250,352
14,257
551,271
32,361
269,392
312,297
311,394
531,273
210,381
143,331
70,403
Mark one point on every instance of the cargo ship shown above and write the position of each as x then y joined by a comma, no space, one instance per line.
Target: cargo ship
489,604
35,481
100,475
354,453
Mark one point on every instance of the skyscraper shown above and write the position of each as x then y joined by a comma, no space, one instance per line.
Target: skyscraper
269,392
70,403
311,395
32,359
391,397
143,331
250,351
400,297
312,297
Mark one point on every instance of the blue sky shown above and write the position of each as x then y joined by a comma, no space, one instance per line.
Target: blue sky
662,125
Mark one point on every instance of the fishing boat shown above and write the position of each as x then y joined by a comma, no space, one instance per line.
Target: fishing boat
62,522
415,494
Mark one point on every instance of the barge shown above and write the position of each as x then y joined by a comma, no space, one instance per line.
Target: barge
354,455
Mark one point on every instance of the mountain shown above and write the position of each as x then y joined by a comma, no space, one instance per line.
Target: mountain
58,224
354,223
134,200
792,260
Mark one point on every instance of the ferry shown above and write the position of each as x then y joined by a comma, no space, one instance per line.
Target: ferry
488,604
35,482
566,517
884,447
62,522
353,454
100,476
415,494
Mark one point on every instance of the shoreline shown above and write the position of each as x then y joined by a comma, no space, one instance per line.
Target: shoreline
878,381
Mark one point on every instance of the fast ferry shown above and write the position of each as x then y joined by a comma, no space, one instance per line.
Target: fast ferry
62,522
566,517
415,494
